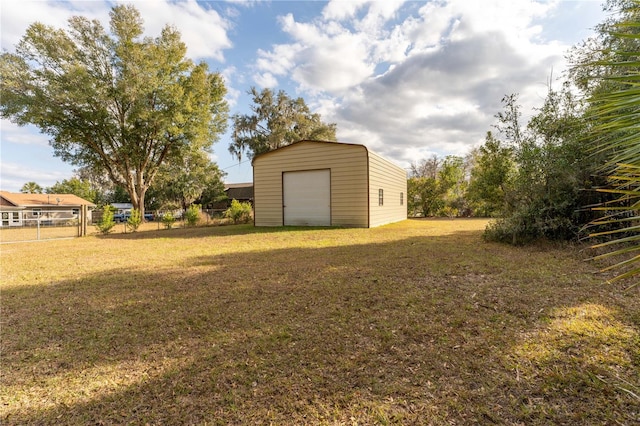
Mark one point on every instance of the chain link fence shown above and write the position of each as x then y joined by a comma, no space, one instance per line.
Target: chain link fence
68,224
154,221
17,226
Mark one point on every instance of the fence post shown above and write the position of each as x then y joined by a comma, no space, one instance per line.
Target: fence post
84,216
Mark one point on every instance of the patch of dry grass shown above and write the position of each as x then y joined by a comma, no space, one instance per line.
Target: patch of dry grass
413,323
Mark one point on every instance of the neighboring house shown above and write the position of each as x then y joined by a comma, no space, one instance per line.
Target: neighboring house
122,208
17,209
316,183
242,192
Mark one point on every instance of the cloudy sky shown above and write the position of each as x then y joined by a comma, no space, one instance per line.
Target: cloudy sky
409,79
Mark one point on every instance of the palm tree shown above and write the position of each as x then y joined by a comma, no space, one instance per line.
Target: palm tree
616,116
31,188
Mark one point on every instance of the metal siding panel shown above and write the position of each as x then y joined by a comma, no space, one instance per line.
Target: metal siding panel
392,180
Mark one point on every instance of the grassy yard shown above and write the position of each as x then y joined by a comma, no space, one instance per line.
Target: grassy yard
414,323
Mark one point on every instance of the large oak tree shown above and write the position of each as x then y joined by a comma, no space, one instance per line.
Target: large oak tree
277,121
114,101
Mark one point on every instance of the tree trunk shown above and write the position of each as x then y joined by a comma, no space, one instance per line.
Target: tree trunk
137,193
141,194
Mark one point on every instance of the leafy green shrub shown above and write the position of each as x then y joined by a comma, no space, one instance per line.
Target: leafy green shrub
517,229
168,220
107,223
192,215
448,211
545,217
543,197
135,220
239,212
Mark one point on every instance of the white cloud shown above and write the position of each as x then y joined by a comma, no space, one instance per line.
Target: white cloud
15,17
21,135
376,17
203,30
15,175
430,26
323,66
513,18
265,80
228,74
416,78
247,3
280,60
27,143
342,9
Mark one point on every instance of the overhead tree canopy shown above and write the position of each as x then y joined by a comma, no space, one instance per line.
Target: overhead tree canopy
113,101
277,121
182,183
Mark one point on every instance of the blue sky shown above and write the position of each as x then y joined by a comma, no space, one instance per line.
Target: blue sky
409,79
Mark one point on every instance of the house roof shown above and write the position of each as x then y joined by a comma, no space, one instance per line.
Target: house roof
238,185
239,191
40,200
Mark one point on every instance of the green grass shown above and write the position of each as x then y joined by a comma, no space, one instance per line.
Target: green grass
419,322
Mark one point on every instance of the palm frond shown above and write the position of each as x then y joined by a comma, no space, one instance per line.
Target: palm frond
615,231
609,254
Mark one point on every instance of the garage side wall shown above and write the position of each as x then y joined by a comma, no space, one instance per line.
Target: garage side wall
349,189
392,180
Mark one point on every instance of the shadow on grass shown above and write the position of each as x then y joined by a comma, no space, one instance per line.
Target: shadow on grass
209,230
421,330
244,229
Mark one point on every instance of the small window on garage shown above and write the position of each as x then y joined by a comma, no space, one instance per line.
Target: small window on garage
36,212
380,197
402,198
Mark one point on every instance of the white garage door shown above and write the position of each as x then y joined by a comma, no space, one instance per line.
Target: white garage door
307,198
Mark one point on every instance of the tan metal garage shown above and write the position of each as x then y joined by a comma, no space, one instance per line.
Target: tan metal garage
317,183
